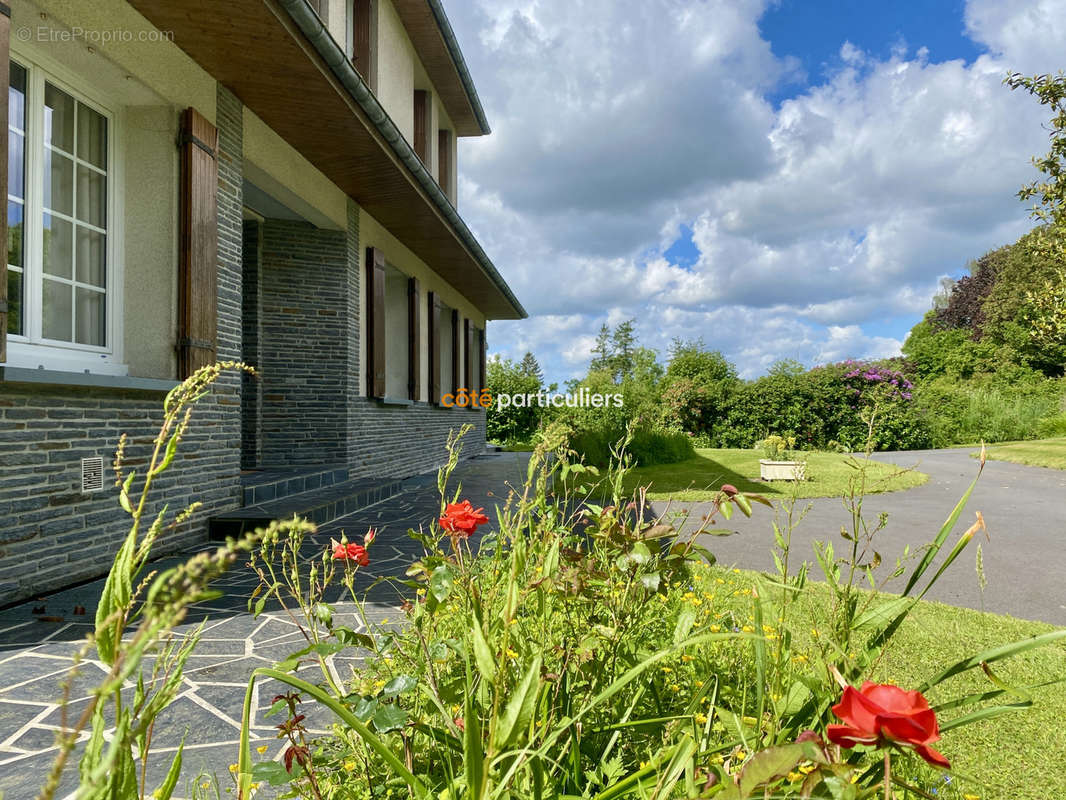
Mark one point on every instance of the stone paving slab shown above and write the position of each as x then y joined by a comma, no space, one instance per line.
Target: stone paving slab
35,656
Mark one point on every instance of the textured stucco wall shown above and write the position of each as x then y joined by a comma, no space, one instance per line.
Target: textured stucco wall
277,168
161,66
396,69
151,241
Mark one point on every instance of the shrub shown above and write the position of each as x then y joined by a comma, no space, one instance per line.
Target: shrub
988,408
833,403
589,651
648,444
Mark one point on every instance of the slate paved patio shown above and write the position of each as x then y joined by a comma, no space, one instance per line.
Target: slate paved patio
36,646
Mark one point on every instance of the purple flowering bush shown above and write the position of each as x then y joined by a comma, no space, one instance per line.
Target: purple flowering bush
829,404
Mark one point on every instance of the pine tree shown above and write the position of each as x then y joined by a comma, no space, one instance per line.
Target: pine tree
530,367
601,351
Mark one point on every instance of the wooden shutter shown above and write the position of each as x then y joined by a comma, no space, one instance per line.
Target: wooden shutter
434,347
375,322
422,125
414,341
444,161
482,376
454,388
198,268
468,355
363,39
5,81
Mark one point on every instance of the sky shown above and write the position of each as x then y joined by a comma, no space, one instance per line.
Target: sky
786,179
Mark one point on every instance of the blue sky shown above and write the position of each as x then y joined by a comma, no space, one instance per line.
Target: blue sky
784,179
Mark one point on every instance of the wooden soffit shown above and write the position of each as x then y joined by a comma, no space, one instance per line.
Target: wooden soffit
255,49
433,51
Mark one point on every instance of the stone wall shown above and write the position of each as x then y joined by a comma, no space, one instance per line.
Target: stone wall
53,535
395,441
304,344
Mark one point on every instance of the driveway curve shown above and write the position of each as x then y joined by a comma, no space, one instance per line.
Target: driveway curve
1024,509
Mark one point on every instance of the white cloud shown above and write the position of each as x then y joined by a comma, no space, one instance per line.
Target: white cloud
814,222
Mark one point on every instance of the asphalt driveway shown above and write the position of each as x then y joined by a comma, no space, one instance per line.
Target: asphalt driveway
1023,507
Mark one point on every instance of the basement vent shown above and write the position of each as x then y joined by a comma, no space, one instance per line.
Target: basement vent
92,474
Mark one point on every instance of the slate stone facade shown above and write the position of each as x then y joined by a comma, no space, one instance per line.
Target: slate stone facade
288,303
52,534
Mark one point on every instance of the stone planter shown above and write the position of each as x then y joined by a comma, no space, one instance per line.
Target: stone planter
782,470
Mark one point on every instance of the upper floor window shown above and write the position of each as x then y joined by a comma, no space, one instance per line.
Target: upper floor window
59,191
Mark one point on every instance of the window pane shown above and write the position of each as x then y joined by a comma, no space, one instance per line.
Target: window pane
58,182
57,310
16,98
90,317
92,197
92,137
58,246
14,302
14,233
92,257
16,164
58,118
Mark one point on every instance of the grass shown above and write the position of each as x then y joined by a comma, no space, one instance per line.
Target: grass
1036,453
1017,756
698,478
515,446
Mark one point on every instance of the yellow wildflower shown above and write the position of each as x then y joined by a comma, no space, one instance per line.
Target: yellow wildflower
701,719
261,749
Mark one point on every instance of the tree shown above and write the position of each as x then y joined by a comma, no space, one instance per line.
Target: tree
1050,209
530,367
519,419
601,351
623,346
697,386
1046,312
691,359
615,352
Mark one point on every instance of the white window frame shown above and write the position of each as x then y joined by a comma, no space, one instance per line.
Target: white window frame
31,349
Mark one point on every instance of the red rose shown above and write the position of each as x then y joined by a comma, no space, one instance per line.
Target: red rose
462,519
880,714
349,551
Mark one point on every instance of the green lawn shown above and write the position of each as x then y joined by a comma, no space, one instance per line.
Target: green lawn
1017,756
828,475
1038,453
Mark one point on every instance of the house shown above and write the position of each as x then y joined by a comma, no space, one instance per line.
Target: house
266,180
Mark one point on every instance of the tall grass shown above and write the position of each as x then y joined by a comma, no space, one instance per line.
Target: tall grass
963,413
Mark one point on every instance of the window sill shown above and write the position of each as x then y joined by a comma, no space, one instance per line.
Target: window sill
53,377
394,401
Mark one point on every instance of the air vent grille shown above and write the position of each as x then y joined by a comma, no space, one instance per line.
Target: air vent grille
92,474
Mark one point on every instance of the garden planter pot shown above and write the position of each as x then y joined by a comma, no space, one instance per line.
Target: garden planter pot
782,470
